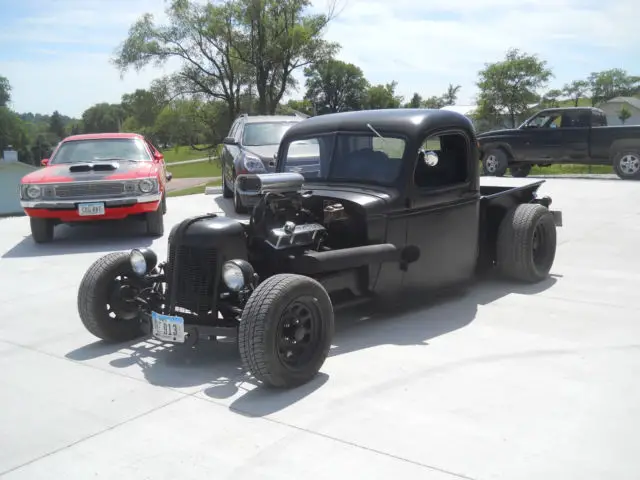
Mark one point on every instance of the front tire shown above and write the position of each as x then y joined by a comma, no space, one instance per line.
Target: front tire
102,304
155,222
520,171
226,191
41,229
526,246
626,164
237,203
495,163
286,330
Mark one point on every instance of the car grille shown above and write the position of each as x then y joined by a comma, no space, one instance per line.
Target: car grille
89,189
195,286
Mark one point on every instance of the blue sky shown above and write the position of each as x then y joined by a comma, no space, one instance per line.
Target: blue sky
56,53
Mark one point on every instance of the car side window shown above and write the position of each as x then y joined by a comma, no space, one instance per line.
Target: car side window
237,134
442,162
598,119
575,119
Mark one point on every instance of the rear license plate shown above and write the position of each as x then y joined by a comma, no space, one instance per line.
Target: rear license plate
167,327
90,209
557,216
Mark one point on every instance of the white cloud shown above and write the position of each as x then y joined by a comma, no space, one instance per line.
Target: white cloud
422,45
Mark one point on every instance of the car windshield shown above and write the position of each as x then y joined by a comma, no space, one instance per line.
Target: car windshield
78,151
264,133
357,158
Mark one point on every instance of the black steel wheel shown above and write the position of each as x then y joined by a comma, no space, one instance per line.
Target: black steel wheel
286,330
526,246
105,299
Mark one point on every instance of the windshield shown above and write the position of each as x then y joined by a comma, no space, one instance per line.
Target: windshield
78,151
359,158
257,134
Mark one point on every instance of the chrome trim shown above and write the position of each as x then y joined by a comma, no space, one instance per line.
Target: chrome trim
135,179
48,203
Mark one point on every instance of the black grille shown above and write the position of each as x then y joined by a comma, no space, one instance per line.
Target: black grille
89,189
194,288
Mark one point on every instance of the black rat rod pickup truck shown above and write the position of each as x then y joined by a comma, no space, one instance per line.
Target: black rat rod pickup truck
389,201
572,135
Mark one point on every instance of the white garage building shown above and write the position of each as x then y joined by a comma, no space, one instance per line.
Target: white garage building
11,171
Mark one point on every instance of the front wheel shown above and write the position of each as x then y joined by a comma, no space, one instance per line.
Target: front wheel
41,229
155,222
105,299
286,330
520,171
495,163
226,191
527,243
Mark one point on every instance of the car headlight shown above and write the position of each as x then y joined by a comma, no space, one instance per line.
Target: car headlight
142,260
146,185
33,191
253,164
236,274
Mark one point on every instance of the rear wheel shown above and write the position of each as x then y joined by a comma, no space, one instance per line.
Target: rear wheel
41,229
286,330
526,246
626,164
105,299
495,163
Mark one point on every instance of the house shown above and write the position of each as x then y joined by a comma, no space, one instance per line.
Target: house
11,172
613,107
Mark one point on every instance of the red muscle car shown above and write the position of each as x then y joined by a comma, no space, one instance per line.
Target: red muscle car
102,176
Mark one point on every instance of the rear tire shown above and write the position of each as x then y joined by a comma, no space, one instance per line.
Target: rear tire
41,229
155,222
287,318
526,246
495,163
626,164
97,301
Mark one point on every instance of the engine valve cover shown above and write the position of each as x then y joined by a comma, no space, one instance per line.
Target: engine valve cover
295,236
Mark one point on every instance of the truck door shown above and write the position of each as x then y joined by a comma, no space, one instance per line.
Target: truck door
443,216
574,136
543,138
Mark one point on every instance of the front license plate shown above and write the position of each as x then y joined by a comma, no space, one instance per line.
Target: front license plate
90,209
167,327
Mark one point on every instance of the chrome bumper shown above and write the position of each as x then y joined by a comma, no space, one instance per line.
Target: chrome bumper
108,202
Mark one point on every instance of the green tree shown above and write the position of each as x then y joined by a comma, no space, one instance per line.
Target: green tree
612,83
103,118
57,125
335,86
576,90
303,106
511,85
5,91
433,102
382,96
551,98
143,106
624,114
451,95
415,102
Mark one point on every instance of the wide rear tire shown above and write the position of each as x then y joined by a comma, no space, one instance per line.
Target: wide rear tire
286,330
526,246
102,311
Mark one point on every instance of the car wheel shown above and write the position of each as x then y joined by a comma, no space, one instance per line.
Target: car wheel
626,164
164,204
526,246
495,163
105,300
286,330
237,203
155,222
226,191
520,171
41,229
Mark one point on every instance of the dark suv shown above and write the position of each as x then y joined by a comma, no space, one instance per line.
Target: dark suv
251,147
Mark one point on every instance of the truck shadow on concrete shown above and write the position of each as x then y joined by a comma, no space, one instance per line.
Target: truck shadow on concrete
104,237
214,368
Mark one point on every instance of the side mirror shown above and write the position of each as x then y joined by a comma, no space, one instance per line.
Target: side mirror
44,162
169,176
158,157
229,141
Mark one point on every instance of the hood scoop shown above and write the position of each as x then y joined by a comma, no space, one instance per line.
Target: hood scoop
94,167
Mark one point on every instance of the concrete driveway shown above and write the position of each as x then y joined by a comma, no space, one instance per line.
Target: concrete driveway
502,382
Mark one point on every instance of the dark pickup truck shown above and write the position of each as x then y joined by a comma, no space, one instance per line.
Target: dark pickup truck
576,135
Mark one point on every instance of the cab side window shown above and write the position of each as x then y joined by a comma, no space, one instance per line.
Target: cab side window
442,161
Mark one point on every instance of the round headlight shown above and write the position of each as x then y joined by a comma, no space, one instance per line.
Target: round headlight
33,191
233,276
145,185
138,262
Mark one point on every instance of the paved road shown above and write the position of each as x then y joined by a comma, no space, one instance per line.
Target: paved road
182,183
504,382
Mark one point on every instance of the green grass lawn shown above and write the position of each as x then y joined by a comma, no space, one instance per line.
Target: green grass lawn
183,152
570,169
193,170
193,190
